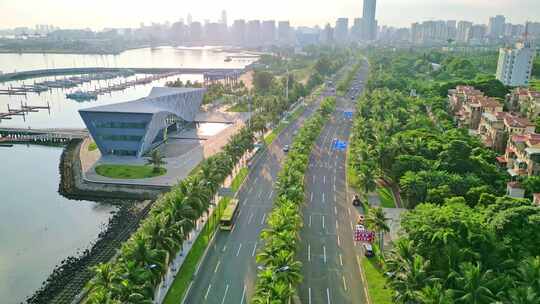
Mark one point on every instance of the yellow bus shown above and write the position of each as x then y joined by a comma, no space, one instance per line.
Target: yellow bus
229,215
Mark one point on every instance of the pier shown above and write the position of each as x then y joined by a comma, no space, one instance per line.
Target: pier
22,135
23,111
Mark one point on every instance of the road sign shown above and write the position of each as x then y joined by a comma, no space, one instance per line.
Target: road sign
348,114
339,145
362,235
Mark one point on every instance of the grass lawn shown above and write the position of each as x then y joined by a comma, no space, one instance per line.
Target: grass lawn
241,107
92,147
185,274
387,197
128,172
282,125
376,281
535,84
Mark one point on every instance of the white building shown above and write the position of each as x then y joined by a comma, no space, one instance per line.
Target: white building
515,65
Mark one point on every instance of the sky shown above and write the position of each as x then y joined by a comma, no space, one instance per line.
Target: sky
98,14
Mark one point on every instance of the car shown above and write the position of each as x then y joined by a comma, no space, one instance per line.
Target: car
368,250
361,219
286,148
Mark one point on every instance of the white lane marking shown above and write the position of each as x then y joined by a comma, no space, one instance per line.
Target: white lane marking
309,221
337,225
334,187
324,253
352,227
260,194
263,218
309,252
338,241
250,218
217,266
238,251
335,210
314,179
207,291
323,222
324,179
344,283
239,212
323,197
243,295
250,189
311,197
309,295
225,294
224,248
340,260
328,295
254,249
349,209
271,193
256,179
335,199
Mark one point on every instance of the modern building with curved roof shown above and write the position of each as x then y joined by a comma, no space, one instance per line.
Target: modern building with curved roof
135,127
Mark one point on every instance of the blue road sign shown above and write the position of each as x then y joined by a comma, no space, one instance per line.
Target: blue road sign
339,145
348,114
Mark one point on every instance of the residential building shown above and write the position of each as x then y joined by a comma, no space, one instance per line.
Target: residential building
341,32
268,32
496,26
515,64
463,30
327,35
526,101
522,155
253,33
491,131
468,105
476,34
284,33
135,127
369,26
238,32
356,30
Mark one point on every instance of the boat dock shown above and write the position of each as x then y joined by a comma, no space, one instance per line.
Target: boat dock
23,111
20,135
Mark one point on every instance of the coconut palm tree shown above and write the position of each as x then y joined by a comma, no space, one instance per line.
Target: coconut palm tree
156,160
104,278
474,285
376,220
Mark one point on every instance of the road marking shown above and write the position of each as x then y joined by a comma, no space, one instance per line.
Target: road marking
243,294
309,221
217,266
311,198
225,294
260,194
324,253
271,193
324,179
263,218
344,283
335,210
323,222
314,179
250,218
323,197
250,189
256,179
239,247
309,295
309,252
352,226
337,225
328,295
334,187
207,291
224,248
254,249
340,259
349,209
338,241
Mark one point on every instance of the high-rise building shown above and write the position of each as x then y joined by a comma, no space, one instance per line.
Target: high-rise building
356,30
476,33
268,32
463,30
195,32
496,26
515,64
451,29
253,33
284,33
238,32
369,27
189,19
223,18
341,33
327,35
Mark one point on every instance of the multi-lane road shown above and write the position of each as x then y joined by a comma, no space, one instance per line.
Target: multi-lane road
330,257
228,273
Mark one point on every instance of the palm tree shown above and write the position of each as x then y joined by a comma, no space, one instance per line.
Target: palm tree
434,295
367,181
156,160
376,220
473,285
105,277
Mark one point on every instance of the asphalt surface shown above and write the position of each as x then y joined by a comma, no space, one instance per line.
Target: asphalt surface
228,273
329,255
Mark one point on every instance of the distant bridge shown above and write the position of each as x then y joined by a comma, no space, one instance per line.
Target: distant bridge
92,70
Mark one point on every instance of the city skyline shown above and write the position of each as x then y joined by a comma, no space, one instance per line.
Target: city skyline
101,14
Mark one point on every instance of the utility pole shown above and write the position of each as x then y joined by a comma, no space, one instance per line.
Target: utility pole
287,86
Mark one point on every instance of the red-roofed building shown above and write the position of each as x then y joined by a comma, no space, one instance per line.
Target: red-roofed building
526,101
523,154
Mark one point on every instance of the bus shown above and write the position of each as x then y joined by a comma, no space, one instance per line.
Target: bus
229,215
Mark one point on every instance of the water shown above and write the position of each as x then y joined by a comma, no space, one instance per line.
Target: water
38,227
64,112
